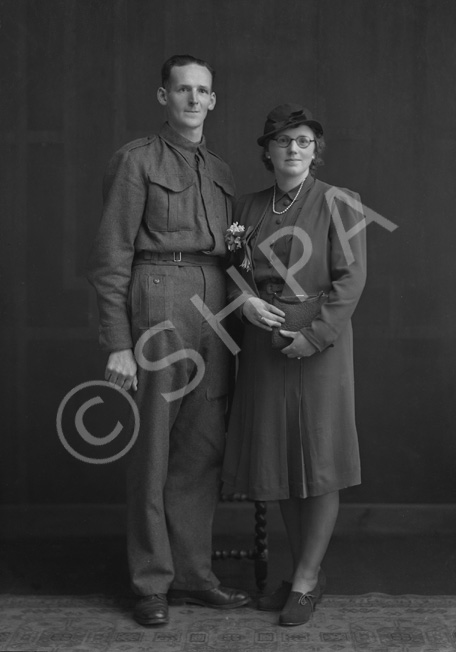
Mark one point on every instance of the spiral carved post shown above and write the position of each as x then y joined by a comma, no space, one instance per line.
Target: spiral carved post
259,554
261,544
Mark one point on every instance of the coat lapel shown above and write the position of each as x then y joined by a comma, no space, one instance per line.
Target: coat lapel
296,250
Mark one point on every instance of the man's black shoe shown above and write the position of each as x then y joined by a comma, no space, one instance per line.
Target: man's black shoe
152,610
220,597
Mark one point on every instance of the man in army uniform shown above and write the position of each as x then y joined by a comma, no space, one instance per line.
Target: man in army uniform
167,205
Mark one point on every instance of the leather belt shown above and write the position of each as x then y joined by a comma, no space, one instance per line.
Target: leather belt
176,258
270,286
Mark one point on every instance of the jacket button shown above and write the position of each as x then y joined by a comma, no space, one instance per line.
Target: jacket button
156,280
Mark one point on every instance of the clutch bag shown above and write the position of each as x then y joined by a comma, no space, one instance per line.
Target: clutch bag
298,314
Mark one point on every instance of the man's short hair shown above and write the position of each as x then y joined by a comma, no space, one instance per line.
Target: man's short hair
183,60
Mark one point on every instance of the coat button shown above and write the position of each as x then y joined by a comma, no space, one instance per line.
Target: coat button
156,280
286,201
278,221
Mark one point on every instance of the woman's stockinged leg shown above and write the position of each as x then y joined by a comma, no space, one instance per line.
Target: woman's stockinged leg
309,523
291,515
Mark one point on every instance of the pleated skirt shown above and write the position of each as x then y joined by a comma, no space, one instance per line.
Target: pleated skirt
292,429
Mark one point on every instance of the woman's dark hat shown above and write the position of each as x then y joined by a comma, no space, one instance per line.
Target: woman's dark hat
288,115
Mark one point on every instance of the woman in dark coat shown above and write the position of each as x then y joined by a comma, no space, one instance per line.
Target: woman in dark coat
292,434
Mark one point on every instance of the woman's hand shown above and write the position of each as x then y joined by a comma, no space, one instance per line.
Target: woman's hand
300,347
262,314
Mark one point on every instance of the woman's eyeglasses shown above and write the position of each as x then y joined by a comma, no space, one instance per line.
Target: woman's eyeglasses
301,141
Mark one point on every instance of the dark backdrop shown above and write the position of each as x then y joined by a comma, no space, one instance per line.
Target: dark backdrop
79,79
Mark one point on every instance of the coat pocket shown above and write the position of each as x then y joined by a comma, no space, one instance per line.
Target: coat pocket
170,199
150,299
224,199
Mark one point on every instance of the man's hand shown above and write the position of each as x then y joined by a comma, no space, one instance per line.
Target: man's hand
121,369
262,314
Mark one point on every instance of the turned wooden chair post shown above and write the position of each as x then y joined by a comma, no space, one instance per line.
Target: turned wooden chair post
259,553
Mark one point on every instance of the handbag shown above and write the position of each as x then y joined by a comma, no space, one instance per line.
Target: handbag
298,314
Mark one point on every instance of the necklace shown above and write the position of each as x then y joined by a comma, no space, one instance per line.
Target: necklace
288,207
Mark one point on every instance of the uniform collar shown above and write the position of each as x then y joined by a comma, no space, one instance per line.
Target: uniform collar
186,147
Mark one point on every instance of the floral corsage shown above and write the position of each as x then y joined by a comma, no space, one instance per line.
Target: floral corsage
235,238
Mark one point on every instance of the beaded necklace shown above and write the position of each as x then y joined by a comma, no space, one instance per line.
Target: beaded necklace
290,205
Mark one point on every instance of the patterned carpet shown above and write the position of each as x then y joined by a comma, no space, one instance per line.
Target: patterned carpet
369,623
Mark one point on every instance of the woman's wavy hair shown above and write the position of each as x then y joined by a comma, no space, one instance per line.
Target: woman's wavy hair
317,162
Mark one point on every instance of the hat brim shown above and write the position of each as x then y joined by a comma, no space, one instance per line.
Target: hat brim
313,124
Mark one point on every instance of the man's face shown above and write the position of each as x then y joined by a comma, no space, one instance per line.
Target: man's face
188,97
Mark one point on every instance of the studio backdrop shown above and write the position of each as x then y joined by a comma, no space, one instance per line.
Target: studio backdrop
79,79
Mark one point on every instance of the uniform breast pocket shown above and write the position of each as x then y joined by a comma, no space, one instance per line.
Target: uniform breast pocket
224,191
151,300
169,201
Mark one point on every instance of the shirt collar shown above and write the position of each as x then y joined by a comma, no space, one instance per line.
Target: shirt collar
291,194
186,147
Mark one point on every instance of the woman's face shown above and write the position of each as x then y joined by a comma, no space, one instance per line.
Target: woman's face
292,161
